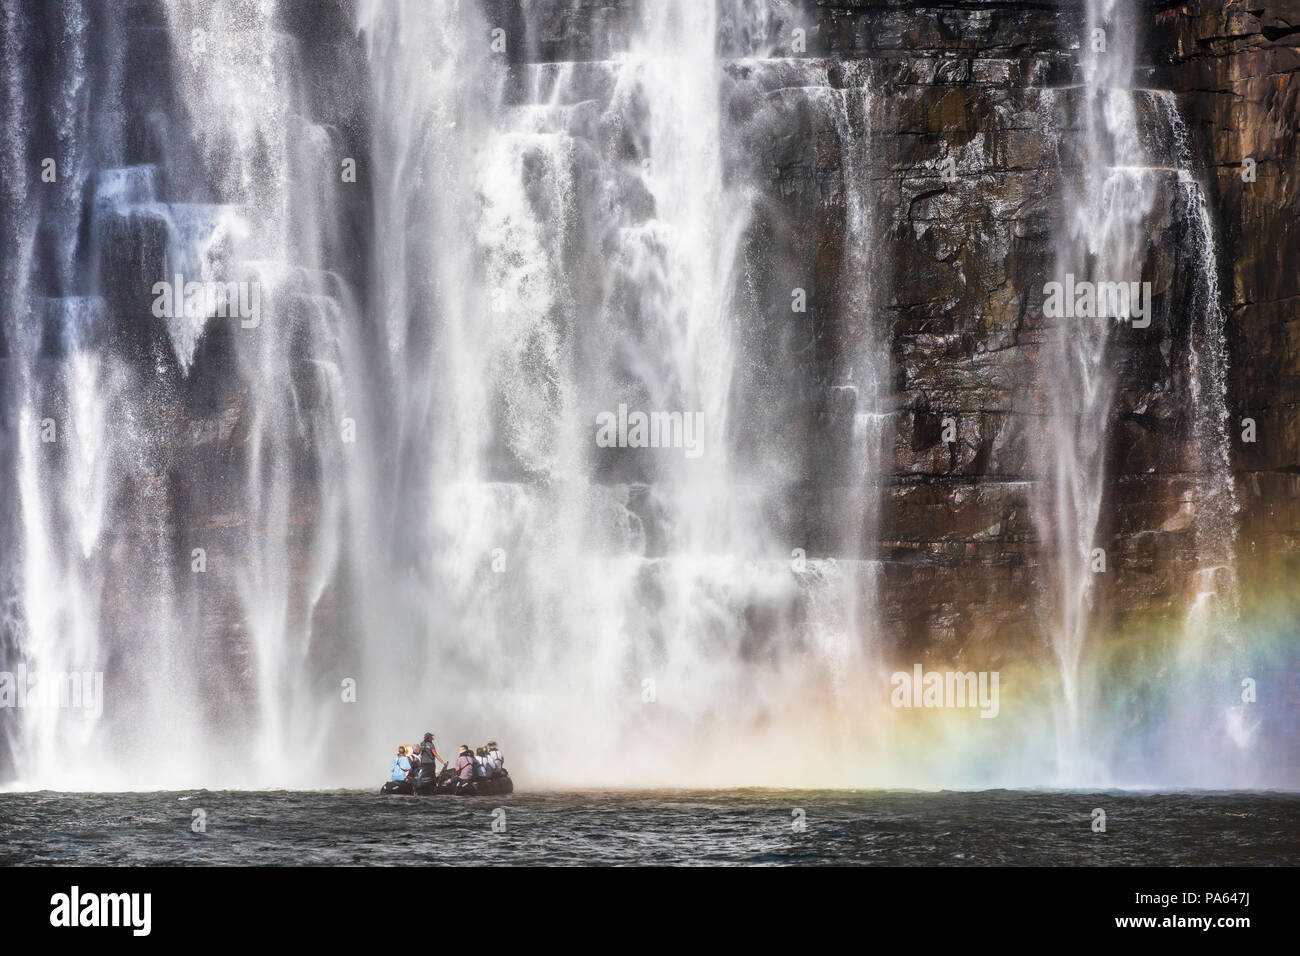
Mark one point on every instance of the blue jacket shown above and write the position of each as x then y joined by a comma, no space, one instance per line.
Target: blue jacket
400,766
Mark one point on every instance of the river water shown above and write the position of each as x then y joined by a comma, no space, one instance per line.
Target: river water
662,827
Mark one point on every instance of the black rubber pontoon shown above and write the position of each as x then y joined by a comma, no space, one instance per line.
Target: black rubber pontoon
447,785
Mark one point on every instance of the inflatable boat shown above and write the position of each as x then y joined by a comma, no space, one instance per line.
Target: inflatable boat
447,785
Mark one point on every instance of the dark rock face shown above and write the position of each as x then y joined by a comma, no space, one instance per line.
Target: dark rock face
983,83
1237,69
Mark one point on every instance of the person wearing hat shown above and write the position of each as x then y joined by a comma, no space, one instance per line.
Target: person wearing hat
428,754
498,764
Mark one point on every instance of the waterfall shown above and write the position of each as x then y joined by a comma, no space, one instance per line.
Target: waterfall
90,596
1216,527
1211,648
576,244
524,370
1126,172
1102,240
328,466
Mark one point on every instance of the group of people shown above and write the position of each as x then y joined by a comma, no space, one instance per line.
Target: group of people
418,763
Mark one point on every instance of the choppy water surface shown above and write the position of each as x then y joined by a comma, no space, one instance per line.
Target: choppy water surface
651,827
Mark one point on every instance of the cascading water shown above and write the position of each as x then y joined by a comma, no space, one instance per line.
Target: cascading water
389,478
1103,240
1108,238
1210,650
579,249
90,594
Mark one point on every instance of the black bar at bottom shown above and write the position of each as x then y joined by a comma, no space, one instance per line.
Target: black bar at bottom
301,905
